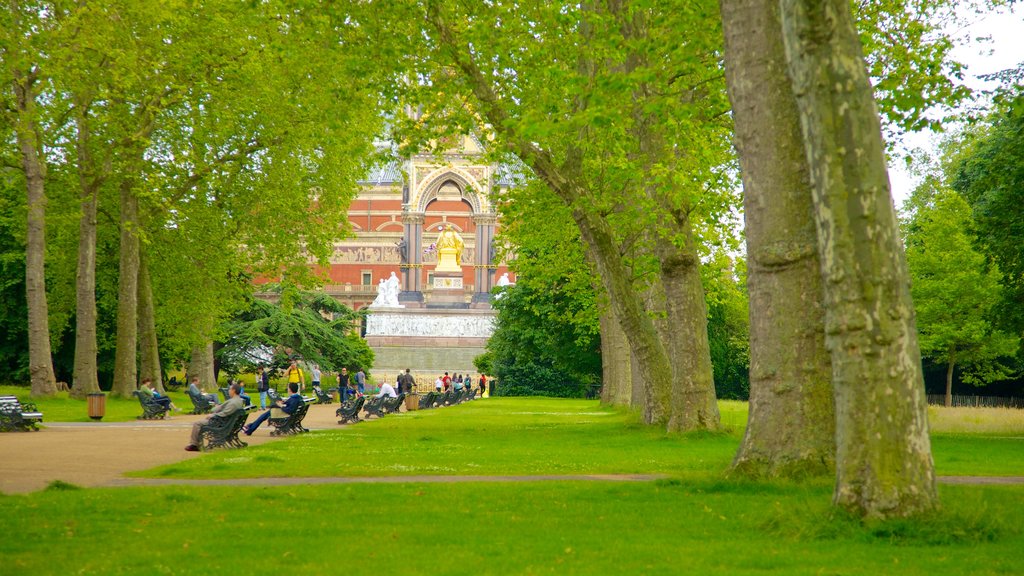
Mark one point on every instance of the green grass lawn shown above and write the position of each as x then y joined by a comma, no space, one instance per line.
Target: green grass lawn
61,408
536,436
697,521
667,527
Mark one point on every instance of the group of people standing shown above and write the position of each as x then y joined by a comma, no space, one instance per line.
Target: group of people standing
446,383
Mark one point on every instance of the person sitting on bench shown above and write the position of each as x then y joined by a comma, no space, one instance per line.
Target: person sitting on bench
289,407
146,389
233,404
193,389
387,390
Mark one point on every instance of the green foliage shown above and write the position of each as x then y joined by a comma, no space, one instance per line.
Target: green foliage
954,289
990,176
917,82
311,325
728,327
536,348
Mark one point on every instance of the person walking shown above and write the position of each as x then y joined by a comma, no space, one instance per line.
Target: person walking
295,375
343,385
262,385
361,381
316,375
408,382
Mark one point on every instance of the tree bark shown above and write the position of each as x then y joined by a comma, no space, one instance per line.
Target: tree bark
43,382
791,424
126,356
883,453
616,369
202,366
148,344
85,379
693,405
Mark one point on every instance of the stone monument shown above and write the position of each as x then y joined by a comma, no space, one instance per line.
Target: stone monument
448,290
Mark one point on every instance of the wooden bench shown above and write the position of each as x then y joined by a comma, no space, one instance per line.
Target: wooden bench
151,409
349,411
290,423
222,431
18,416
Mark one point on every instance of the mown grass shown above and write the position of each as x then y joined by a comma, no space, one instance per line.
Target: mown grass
535,436
494,436
696,521
669,527
61,408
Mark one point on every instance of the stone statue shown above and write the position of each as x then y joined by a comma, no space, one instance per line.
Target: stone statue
449,249
403,251
387,293
502,282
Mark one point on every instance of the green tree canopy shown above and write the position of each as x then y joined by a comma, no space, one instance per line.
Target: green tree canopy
955,290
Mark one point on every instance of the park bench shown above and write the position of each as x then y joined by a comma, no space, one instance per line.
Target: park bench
222,431
200,404
349,411
15,415
429,400
393,405
151,409
322,396
290,423
373,406
445,398
456,397
224,393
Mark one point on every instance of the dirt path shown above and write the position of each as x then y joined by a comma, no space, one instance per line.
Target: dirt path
98,454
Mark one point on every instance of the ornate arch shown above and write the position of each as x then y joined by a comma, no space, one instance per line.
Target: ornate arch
470,188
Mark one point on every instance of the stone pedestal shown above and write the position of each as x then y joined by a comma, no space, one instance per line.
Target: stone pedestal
448,289
429,341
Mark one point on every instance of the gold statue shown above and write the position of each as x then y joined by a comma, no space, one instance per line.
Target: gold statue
449,250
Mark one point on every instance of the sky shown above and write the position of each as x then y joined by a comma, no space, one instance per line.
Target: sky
1006,50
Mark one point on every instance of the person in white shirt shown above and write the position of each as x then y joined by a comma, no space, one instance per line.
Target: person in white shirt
387,390
438,383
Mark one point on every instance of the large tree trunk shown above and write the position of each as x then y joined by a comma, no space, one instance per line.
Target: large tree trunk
85,379
791,424
883,452
125,357
616,370
693,405
638,394
648,350
40,358
148,345
201,366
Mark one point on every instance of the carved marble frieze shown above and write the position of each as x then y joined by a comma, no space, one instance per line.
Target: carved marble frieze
365,255
435,325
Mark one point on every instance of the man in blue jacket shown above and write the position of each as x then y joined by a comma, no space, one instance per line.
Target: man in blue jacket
289,407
